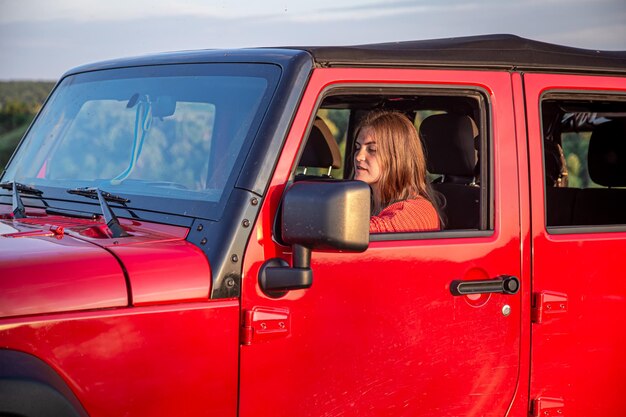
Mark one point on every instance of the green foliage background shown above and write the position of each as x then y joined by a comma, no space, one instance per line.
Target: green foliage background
19,103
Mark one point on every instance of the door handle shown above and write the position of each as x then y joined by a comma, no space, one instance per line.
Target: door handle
503,284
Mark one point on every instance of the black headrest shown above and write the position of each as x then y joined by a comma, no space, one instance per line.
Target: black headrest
321,150
449,144
607,154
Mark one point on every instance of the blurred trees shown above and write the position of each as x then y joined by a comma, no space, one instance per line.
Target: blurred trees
19,103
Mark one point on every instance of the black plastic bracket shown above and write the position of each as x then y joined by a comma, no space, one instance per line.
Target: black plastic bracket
276,277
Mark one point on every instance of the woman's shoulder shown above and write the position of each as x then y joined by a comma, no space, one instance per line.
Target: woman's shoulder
409,205
415,214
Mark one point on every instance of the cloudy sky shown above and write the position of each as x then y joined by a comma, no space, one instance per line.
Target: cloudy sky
40,39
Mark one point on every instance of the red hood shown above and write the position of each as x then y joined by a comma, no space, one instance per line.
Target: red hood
52,264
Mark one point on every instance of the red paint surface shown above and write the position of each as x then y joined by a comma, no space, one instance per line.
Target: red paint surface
41,272
150,361
379,333
579,355
165,272
79,268
119,361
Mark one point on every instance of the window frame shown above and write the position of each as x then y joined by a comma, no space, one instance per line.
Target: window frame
573,95
485,127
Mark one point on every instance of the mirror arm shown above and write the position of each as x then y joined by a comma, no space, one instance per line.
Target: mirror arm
301,256
276,276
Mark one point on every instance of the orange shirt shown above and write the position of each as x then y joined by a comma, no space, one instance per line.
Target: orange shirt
414,215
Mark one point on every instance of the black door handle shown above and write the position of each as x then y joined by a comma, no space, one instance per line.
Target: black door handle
504,284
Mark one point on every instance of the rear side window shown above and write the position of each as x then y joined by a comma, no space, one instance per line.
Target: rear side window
584,150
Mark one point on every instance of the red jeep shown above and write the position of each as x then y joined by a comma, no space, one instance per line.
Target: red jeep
180,235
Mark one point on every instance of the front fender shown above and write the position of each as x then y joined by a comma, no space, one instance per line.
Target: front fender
31,388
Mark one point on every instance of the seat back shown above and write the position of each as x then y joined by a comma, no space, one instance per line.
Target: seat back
449,142
321,149
606,161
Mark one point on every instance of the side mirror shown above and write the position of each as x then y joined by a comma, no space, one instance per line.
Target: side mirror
322,215
327,215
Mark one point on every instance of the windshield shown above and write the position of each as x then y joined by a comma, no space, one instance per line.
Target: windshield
169,138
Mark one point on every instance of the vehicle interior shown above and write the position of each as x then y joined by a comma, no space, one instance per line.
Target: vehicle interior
584,141
451,127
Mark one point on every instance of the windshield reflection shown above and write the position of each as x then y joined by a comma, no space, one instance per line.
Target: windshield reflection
176,131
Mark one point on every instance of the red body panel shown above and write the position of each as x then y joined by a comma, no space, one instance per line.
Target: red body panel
151,256
589,338
167,271
379,333
149,361
119,361
520,405
42,272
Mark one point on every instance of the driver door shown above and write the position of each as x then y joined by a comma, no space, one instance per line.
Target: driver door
380,333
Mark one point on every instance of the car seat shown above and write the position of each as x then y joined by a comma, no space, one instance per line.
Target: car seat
321,151
606,162
449,142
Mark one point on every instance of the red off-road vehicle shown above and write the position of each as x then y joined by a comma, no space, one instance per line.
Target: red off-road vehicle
180,235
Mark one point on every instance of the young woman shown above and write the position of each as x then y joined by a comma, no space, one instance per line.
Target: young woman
389,157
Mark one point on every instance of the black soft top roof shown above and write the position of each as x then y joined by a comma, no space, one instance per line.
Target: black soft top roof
489,51
506,52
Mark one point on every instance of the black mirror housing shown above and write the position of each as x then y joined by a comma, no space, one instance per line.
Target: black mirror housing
322,215
327,215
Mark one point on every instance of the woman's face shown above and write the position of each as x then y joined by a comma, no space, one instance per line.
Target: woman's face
366,167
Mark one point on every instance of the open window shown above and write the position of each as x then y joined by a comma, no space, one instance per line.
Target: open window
452,125
584,147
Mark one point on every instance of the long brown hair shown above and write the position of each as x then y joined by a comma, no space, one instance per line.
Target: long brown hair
401,158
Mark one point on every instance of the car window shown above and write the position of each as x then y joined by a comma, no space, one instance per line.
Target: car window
174,132
457,160
584,151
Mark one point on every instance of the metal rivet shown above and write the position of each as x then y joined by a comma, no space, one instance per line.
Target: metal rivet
245,222
506,310
254,201
203,241
230,282
234,258
281,325
263,326
199,228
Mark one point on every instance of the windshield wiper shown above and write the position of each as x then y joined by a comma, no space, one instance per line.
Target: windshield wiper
109,217
19,212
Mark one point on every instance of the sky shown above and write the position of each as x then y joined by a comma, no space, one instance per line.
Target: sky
41,39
